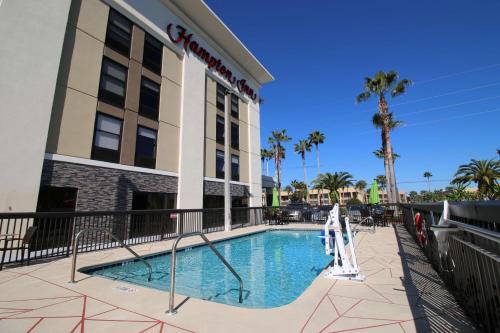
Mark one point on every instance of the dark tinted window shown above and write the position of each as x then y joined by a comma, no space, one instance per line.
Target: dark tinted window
220,130
235,106
153,200
213,201
235,168
150,99
119,33
113,83
56,199
153,50
219,164
107,135
145,148
221,97
235,136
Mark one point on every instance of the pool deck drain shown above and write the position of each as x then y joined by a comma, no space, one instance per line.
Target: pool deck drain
402,293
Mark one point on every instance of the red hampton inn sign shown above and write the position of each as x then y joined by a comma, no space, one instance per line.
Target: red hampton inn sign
211,61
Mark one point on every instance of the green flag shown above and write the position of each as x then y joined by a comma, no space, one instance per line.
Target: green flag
276,201
373,198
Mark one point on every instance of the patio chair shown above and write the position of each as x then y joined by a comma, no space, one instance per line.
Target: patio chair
25,241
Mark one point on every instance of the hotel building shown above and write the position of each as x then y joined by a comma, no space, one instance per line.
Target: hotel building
126,104
345,195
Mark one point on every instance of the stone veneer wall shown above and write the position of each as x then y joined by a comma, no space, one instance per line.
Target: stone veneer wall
217,188
104,188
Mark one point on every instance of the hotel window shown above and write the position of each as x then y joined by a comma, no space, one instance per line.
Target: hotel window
113,83
152,54
234,106
145,148
119,33
235,136
221,97
150,99
107,135
220,130
219,164
235,167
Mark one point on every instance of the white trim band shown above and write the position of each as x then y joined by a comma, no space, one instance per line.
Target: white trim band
84,161
218,180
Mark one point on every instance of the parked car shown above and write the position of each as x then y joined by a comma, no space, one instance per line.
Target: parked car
297,212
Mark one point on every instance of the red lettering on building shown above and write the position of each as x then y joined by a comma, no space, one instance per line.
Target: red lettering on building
211,61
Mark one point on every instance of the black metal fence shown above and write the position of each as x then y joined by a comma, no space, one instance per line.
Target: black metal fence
467,258
35,236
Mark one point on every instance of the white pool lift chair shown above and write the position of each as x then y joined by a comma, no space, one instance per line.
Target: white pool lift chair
345,267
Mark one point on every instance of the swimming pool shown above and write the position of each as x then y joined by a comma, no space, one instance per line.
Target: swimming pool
276,266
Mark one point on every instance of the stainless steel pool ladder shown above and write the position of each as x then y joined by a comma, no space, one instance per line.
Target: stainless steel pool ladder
75,250
171,309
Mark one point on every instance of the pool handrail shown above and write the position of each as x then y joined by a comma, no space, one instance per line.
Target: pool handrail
75,250
171,310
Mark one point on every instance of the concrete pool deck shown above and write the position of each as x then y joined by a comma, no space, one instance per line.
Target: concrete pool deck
402,293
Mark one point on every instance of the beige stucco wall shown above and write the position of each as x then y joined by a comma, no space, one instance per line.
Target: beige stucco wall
244,142
31,40
210,126
73,113
168,147
167,155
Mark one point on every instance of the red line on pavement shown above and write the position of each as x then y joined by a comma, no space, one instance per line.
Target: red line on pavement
82,328
100,313
148,328
371,318
32,327
329,324
317,306
36,299
378,293
49,305
331,301
364,327
122,320
81,294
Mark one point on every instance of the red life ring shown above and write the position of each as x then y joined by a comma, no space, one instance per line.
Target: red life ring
420,227
418,222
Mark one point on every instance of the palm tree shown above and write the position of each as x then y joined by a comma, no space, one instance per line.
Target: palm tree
334,182
300,189
288,189
381,181
428,175
379,153
265,156
360,185
301,148
276,141
381,84
381,122
485,173
316,138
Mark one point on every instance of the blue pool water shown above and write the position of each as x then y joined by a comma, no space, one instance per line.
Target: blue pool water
275,266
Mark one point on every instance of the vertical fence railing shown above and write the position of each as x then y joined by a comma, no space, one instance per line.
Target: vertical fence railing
53,232
469,262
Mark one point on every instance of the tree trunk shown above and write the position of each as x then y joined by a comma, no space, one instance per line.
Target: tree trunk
267,167
317,157
277,172
305,176
394,188
390,183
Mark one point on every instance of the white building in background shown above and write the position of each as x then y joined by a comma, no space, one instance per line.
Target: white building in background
126,104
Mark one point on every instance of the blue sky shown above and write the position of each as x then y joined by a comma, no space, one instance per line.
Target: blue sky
320,51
